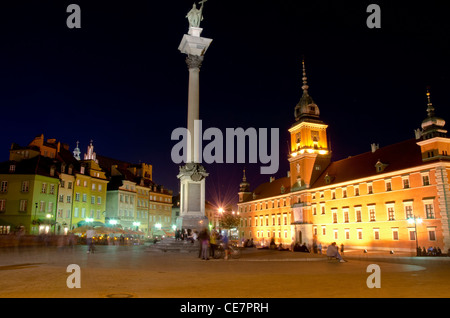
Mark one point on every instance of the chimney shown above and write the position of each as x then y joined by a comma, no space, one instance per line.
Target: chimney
374,147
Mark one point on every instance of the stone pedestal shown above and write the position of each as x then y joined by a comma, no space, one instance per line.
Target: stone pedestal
192,197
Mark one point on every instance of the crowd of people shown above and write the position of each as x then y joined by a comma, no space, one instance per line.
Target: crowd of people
209,241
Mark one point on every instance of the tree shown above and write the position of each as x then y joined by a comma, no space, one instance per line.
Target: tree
229,220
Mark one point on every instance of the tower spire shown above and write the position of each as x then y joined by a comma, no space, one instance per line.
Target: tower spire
430,108
304,78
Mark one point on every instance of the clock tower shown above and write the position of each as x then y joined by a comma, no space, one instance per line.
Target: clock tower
309,152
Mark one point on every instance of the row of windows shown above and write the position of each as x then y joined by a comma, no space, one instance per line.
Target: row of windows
265,205
266,221
23,205
388,187
375,234
84,198
371,212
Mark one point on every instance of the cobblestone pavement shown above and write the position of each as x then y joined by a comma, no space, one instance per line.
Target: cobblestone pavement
133,271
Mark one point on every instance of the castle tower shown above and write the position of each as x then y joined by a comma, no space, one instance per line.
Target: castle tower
309,150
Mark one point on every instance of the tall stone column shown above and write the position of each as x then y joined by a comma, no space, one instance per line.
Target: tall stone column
194,63
192,175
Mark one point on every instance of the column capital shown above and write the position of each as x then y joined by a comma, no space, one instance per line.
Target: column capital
194,61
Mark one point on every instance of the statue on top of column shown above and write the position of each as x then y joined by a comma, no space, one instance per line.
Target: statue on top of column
195,15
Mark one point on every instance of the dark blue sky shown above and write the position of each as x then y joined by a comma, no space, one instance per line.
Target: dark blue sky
121,81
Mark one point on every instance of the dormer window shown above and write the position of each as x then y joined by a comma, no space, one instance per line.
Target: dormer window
12,168
379,166
82,169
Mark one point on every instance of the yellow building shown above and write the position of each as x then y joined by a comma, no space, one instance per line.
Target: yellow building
375,200
89,192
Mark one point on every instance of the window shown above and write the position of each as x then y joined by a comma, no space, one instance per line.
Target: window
344,193
77,196
314,210
412,234
61,198
83,212
23,205
425,179
44,188
388,185
52,189
93,186
429,211
78,182
333,194
12,168
42,206
376,234
92,199
347,234
405,182
99,187
285,219
99,200
369,188
395,234
68,199
335,231
315,230
25,186
356,190
391,212
85,183
60,213
322,207
358,214
75,212
346,220
372,213
84,197
324,231
359,234
431,233
50,207
334,213
2,205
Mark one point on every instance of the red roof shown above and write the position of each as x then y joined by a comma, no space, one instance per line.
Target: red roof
402,155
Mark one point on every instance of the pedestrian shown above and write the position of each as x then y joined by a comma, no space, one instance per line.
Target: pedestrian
212,243
203,238
90,233
319,248
342,249
333,251
225,242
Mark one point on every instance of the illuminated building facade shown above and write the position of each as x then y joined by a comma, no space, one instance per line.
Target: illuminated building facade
368,201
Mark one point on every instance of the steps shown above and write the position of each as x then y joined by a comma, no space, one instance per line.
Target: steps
171,245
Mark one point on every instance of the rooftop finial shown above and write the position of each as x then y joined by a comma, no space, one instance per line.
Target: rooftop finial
430,108
244,178
304,78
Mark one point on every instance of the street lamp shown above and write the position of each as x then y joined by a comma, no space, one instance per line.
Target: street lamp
415,220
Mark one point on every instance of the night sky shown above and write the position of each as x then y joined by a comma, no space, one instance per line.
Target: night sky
121,81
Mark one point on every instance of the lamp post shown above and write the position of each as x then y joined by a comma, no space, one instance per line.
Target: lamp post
35,213
415,220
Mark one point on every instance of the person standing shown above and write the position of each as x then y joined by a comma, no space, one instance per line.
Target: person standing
212,243
225,243
203,238
90,233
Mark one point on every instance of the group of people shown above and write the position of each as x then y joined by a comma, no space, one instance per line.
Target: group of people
431,251
210,241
